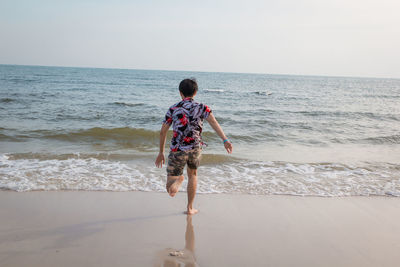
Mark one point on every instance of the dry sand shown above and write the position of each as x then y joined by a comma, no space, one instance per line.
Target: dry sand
143,229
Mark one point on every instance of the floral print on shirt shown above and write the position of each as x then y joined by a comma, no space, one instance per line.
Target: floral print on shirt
186,118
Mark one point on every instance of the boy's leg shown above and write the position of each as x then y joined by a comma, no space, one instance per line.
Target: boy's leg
176,164
193,163
191,190
173,184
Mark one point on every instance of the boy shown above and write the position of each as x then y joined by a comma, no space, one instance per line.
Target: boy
186,118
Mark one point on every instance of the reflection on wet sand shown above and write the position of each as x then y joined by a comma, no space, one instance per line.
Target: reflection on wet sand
170,257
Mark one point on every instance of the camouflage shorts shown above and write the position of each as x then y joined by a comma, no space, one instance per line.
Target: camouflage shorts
177,161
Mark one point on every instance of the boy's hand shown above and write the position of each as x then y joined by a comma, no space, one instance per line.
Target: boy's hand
160,160
228,147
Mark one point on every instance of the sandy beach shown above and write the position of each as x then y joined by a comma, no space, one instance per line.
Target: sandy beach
79,228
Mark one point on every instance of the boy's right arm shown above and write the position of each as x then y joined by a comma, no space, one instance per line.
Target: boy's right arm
217,128
160,160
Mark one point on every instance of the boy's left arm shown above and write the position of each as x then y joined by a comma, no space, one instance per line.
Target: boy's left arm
217,128
160,160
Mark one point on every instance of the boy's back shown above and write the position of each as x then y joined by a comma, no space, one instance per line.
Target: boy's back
186,118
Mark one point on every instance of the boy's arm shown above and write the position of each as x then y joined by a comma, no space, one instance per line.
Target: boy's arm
160,160
217,128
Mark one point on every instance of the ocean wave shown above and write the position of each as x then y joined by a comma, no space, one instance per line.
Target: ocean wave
148,140
4,137
98,133
21,80
214,90
226,120
7,100
103,138
264,93
381,96
376,140
48,75
77,155
129,137
390,139
206,159
70,174
129,104
346,114
306,179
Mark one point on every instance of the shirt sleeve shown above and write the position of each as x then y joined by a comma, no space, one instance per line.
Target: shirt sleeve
168,117
206,111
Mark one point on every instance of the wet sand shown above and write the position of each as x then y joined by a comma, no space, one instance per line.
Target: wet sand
144,229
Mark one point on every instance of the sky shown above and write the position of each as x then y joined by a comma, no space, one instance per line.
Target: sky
305,37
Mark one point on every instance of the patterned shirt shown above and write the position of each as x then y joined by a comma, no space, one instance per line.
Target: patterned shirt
186,118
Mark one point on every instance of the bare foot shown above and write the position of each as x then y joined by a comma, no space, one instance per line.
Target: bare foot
174,185
191,211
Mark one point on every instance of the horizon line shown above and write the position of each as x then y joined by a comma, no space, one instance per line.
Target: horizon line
201,71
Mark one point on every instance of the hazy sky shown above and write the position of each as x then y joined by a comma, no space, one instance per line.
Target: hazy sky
316,37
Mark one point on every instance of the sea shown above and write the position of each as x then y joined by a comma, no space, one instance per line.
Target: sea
65,128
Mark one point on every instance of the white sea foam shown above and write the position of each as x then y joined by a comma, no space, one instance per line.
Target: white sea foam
322,179
215,90
72,174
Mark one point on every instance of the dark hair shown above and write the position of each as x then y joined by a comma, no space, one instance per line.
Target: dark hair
188,87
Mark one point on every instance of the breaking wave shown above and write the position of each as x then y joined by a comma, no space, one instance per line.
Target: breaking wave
122,134
207,159
138,137
92,134
235,176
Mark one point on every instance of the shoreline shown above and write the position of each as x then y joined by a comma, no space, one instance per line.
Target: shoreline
87,228
182,190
